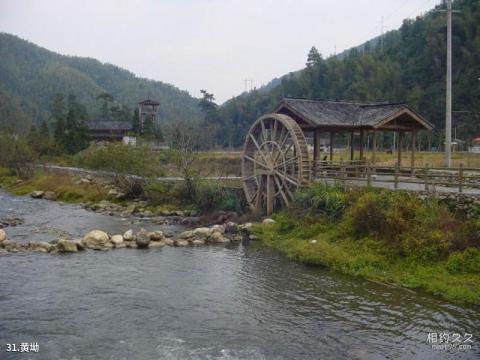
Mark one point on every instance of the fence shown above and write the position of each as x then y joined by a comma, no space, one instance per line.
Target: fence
432,179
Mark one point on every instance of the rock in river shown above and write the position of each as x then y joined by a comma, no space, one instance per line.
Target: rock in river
37,194
96,239
143,239
128,236
3,235
117,239
66,246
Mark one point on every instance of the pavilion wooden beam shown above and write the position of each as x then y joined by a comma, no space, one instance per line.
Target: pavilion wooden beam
331,145
374,145
399,147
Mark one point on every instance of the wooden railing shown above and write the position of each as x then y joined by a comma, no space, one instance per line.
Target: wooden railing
459,179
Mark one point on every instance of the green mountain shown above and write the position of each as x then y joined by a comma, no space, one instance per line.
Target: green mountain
410,66
31,75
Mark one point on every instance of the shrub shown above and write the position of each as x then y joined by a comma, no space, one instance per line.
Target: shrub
367,216
467,261
330,201
131,166
17,155
210,195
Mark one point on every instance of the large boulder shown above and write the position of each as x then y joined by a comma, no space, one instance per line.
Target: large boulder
66,246
37,194
3,235
218,228
156,244
128,235
168,242
96,239
143,239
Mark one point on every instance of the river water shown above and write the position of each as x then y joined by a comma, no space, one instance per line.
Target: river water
213,302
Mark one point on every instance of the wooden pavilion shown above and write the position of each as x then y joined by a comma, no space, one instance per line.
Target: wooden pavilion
335,117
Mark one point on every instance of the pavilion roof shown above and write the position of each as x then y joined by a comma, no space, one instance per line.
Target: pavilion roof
326,113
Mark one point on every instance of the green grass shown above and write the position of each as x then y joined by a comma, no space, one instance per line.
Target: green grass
454,277
62,185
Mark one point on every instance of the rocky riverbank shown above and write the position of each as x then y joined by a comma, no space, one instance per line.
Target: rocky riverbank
100,240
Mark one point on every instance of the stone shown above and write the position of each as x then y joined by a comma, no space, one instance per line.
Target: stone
204,232
179,213
252,237
66,246
236,237
218,228
198,242
186,234
142,240
3,235
231,227
168,242
247,227
37,194
128,235
96,239
180,243
156,244
40,246
156,235
268,222
50,195
116,239
218,237
80,246
312,242
131,209
131,245
112,193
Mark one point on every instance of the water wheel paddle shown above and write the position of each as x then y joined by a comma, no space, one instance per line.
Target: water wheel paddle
275,162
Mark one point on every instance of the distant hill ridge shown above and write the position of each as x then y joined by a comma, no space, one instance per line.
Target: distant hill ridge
30,75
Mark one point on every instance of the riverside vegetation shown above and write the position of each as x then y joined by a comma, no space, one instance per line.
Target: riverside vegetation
393,237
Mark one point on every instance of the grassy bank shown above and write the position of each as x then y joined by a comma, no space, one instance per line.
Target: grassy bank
204,196
382,236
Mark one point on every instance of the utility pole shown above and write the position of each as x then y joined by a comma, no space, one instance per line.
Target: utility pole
448,117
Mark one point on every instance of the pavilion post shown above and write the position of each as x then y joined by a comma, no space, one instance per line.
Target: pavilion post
361,144
352,145
399,148
414,144
374,146
316,149
331,146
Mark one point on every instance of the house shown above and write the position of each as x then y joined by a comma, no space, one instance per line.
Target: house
109,130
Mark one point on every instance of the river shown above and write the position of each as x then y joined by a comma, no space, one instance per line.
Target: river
214,302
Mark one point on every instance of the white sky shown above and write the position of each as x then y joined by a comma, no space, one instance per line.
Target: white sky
211,44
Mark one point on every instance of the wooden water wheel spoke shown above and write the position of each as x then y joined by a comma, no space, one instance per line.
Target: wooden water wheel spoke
259,149
279,185
274,162
265,166
287,178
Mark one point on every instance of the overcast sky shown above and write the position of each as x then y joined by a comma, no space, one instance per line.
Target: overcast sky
211,44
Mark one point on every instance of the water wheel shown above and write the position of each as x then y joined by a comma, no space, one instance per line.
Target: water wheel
275,162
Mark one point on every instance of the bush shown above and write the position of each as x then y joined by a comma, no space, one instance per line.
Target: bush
467,261
131,166
327,200
17,155
213,196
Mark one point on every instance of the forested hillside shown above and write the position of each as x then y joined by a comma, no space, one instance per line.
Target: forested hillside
411,67
30,76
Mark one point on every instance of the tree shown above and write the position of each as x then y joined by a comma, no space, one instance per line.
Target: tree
313,57
75,134
106,98
211,118
136,122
